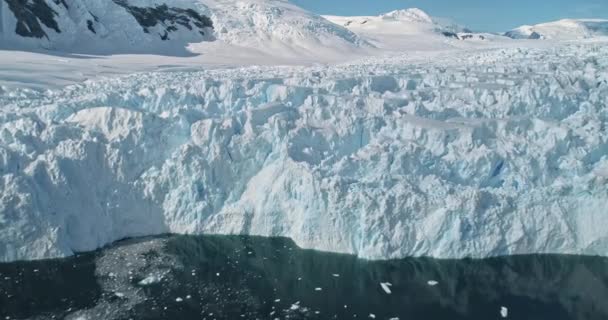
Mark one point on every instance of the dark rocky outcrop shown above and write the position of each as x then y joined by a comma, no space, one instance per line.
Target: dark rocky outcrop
449,34
168,17
32,15
535,35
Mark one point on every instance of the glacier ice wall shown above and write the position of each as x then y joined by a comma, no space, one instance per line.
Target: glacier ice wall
487,153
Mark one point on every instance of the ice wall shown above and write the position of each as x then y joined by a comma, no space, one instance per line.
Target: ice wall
479,154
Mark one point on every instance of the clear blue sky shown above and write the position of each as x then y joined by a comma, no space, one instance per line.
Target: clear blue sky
479,15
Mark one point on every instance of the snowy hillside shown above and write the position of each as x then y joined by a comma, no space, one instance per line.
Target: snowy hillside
277,25
401,29
567,29
490,153
271,27
91,26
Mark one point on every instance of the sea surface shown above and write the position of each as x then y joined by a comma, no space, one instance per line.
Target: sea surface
238,277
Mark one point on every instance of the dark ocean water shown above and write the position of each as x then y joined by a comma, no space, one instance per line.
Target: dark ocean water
234,277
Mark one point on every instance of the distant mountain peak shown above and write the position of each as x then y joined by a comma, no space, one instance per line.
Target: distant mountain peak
411,14
565,29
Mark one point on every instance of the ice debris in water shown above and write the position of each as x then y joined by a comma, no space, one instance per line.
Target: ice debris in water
432,283
150,280
504,312
386,287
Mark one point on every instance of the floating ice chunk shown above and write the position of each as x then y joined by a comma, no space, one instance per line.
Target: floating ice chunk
151,279
277,300
119,294
386,286
432,283
336,275
395,318
318,289
504,312
372,316
178,299
295,306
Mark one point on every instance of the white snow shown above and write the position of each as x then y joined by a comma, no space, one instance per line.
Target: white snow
277,26
566,29
399,30
436,147
432,283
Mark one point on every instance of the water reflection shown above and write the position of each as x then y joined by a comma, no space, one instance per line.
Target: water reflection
234,277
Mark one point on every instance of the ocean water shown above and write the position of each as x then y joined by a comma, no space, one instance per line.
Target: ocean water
238,277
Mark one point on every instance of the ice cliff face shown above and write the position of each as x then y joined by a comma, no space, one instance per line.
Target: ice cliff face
491,153
91,26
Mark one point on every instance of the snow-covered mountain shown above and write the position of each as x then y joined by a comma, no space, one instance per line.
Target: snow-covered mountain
405,29
93,26
567,29
273,25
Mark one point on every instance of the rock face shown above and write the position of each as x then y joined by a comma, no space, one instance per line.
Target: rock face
91,26
169,17
503,151
32,15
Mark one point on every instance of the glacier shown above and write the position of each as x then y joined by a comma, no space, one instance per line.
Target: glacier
486,152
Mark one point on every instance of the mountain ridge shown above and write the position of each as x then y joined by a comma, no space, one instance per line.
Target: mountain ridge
565,29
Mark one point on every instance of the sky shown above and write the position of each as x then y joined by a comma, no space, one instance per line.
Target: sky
479,15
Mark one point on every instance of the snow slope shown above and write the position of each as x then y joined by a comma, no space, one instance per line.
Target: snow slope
102,27
270,27
405,29
567,29
487,152
273,26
